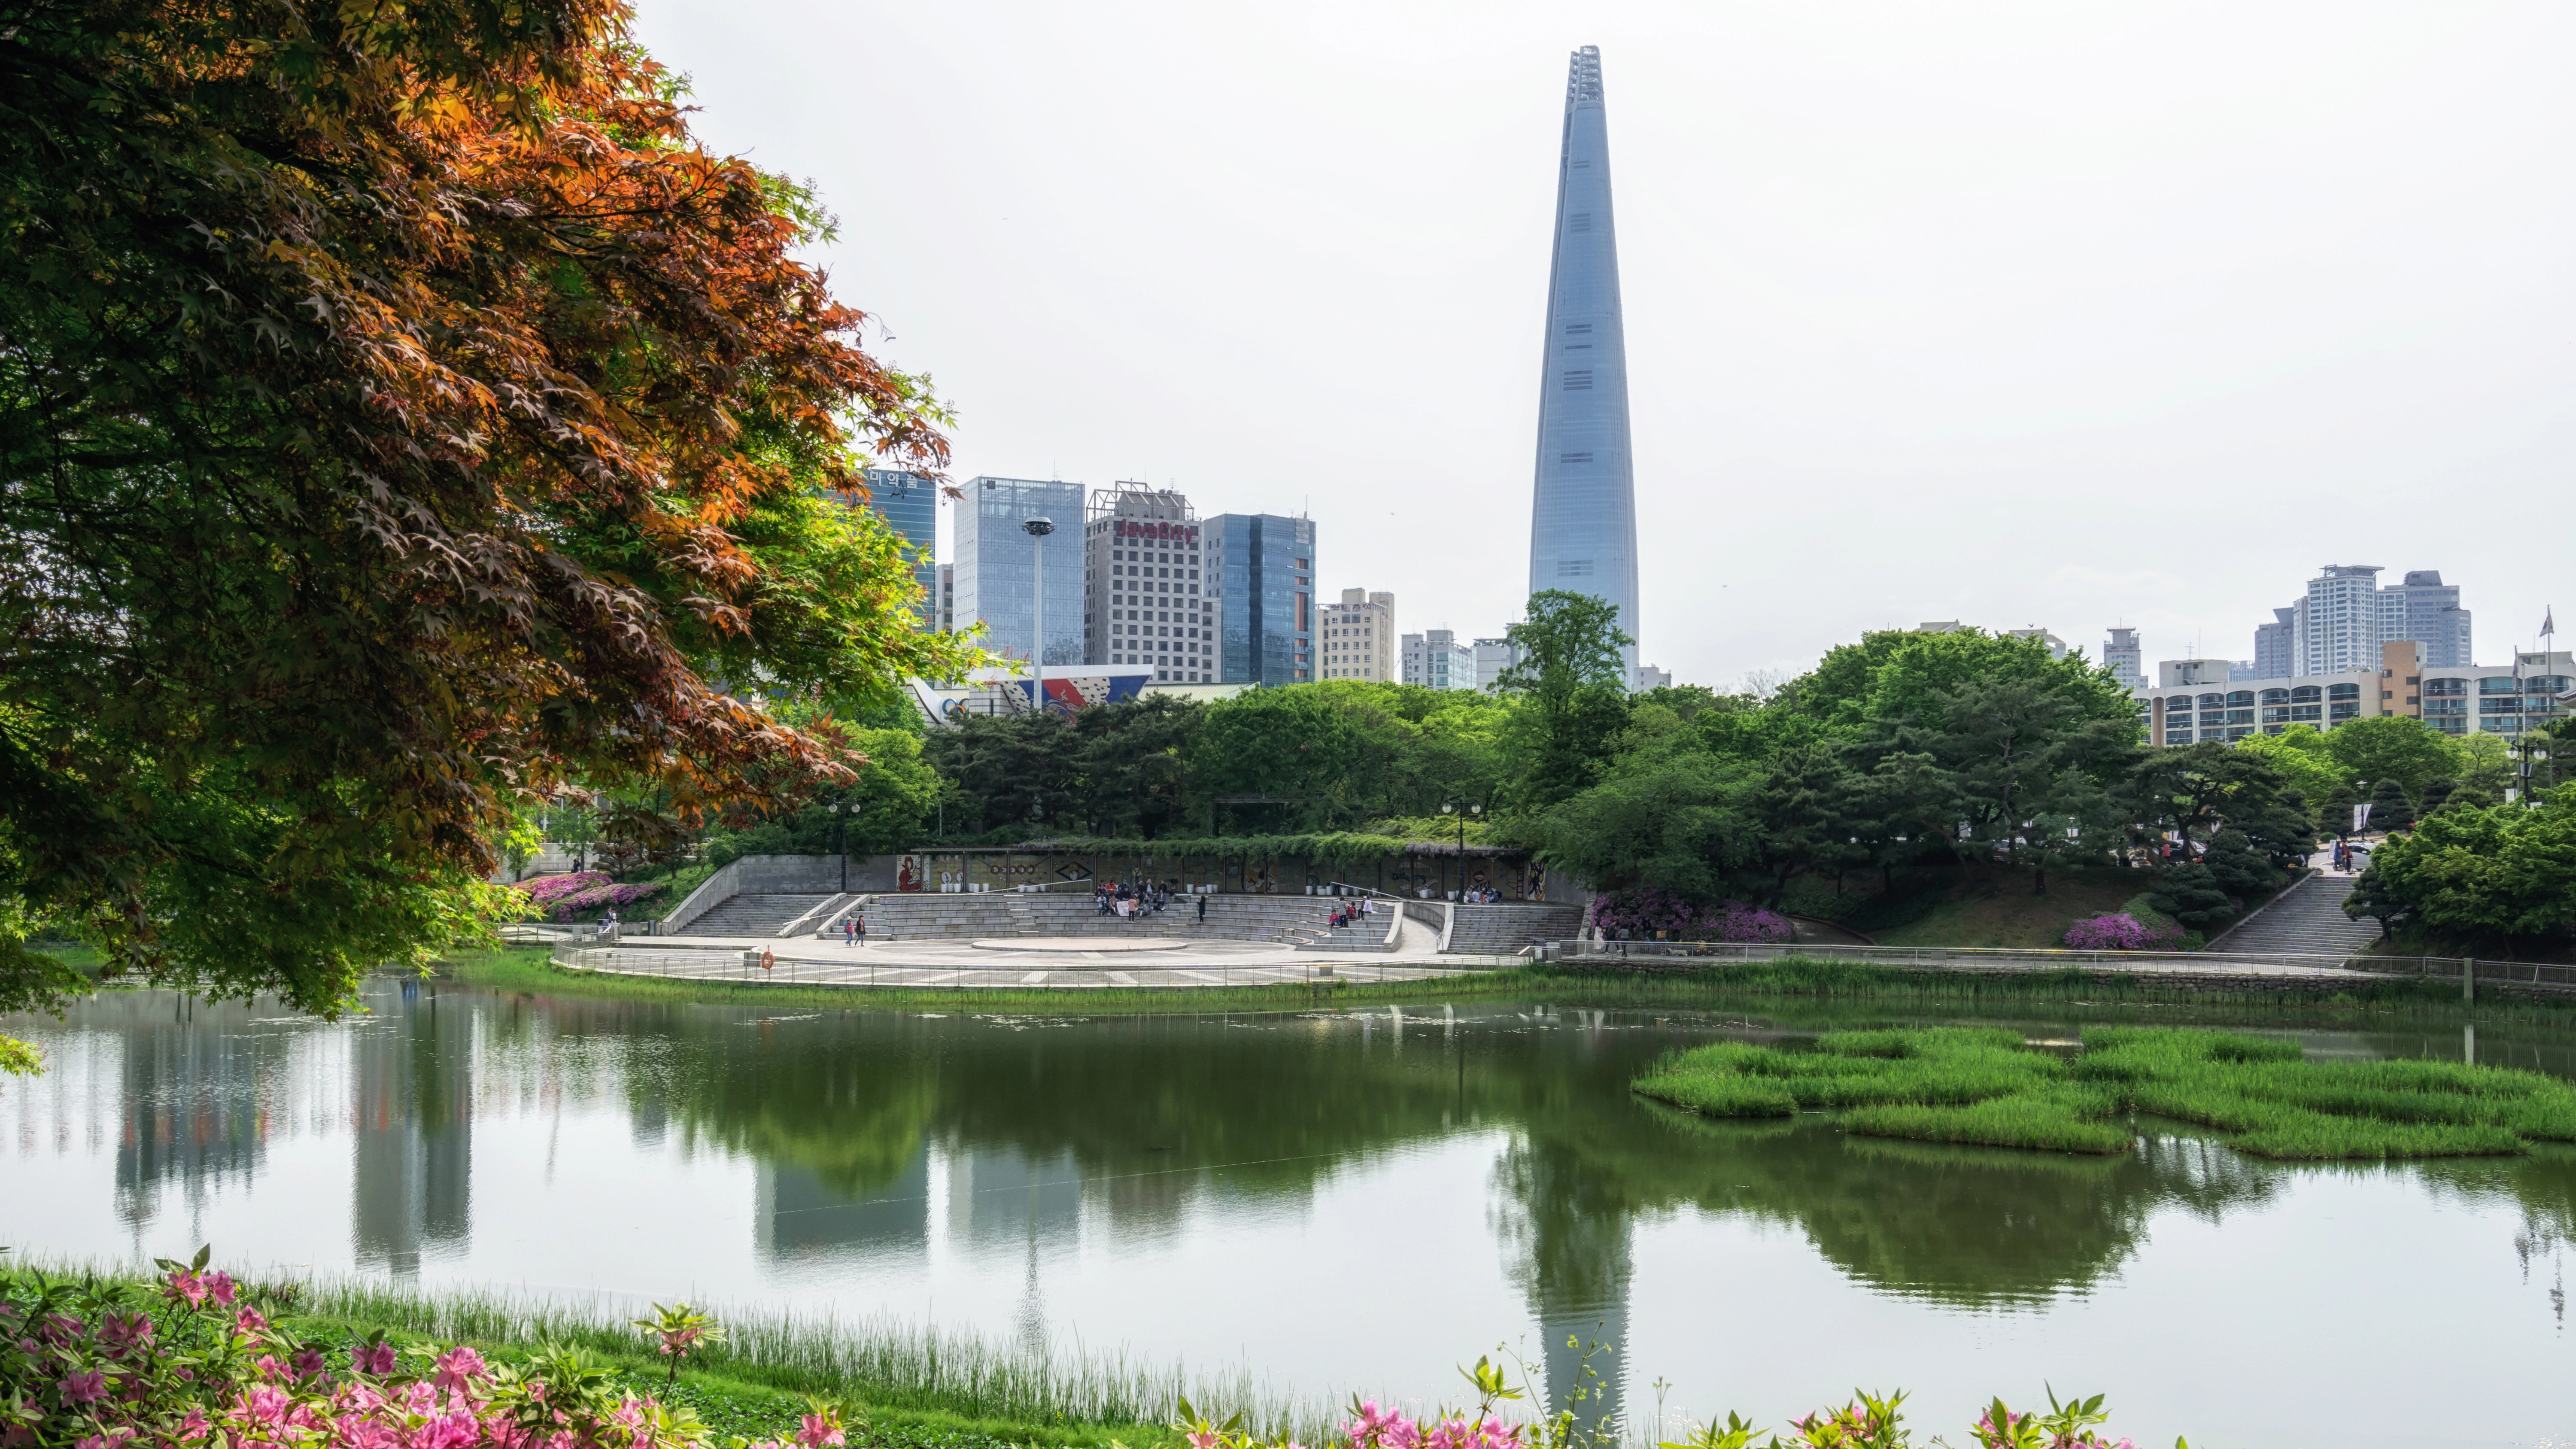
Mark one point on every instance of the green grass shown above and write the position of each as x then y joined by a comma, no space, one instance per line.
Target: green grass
1834,986
2006,912
1985,1087
918,1387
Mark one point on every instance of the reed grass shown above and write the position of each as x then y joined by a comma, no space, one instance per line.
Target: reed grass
1987,1087
880,1362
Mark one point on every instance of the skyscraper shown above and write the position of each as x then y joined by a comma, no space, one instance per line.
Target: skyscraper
2125,659
1583,513
1147,604
910,503
995,570
1264,567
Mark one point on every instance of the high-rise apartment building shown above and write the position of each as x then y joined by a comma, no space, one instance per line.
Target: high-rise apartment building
947,598
2345,615
2120,653
1151,597
997,562
1264,570
2427,611
1583,512
1435,659
1357,637
1493,656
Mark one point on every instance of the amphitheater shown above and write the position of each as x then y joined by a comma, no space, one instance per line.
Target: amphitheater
738,928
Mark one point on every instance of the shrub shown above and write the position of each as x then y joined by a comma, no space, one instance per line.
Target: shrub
2119,932
1648,909
99,1364
570,897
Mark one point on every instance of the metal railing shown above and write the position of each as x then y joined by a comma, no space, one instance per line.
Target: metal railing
2469,971
744,968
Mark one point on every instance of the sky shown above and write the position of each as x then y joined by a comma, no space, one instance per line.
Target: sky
2052,314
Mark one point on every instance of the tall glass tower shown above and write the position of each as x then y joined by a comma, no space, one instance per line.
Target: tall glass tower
1583,516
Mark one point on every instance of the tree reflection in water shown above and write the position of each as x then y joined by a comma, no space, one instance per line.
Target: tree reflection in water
1037,1132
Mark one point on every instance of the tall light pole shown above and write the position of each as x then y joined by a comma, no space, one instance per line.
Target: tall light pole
1038,529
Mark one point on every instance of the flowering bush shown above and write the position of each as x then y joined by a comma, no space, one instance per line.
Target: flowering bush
1647,909
569,897
2119,932
1868,1422
95,1365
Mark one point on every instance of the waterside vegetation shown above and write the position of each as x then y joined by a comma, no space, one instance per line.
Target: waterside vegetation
1987,1086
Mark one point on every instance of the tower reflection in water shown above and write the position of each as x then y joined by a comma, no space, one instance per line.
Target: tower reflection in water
412,1150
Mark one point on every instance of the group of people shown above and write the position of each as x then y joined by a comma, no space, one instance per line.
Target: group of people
1482,896
854,929
1344,915
1134,900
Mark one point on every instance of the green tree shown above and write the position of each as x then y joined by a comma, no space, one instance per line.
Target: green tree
1572,683
2299,753
402,418
2384,747
2480,871
1666,813
1134,759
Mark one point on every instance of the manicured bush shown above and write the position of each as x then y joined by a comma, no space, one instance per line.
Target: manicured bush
2118,932
573,896
1645,910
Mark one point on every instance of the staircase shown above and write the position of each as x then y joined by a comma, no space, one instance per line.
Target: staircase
1502,929
2305,920
752,915
918,916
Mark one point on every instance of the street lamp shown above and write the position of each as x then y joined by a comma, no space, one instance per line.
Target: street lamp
841,840
1037,530
1452,809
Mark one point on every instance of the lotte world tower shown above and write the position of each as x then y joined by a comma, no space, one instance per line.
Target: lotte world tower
1583,515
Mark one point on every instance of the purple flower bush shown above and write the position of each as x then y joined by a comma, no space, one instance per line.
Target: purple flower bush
86,1364
2118,932
570,897
1647,909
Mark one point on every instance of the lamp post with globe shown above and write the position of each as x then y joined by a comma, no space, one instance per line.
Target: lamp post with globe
1037,530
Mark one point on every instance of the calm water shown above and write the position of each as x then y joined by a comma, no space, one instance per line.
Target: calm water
1347,1201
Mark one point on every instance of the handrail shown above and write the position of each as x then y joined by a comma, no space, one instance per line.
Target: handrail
712,892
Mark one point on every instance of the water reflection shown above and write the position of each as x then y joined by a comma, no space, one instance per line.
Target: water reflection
879,1141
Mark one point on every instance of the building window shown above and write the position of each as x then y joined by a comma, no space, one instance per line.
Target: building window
2343,691
2240,699
2240,716
2343,711
2499,684
2306,713
1574,457
1579,381
2306,694
2276,696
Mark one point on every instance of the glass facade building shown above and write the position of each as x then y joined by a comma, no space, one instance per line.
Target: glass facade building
1264,566
1583,515
995,570
909,503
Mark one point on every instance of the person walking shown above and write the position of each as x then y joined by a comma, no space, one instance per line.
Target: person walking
849,932
1203,908
859,927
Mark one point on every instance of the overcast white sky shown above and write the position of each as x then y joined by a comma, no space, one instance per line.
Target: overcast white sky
2056,313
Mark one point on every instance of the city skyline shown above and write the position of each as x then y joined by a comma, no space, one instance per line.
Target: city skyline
2116,317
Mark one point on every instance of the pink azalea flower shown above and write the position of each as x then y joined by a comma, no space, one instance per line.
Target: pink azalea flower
219,1286
184,1284
194,1426
373,1358
249,1320
86,1388
265,1404
308,1363
457,1366
819,1431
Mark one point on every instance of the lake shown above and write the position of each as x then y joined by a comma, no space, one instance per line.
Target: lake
1346,1201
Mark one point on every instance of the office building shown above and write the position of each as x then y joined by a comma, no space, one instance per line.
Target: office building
909,504
947,598
1649,677
1583,513
2455,699
1263,568
997,561
2121,655
1435,659
1150,597
2428,611
1493,656
1356,639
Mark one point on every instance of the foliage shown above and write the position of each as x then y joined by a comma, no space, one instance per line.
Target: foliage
571,897
2502,870
99,1364
1981,1085
2299,756
887,807
2383,747
1573,678
2120,932
404,419
1634,914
